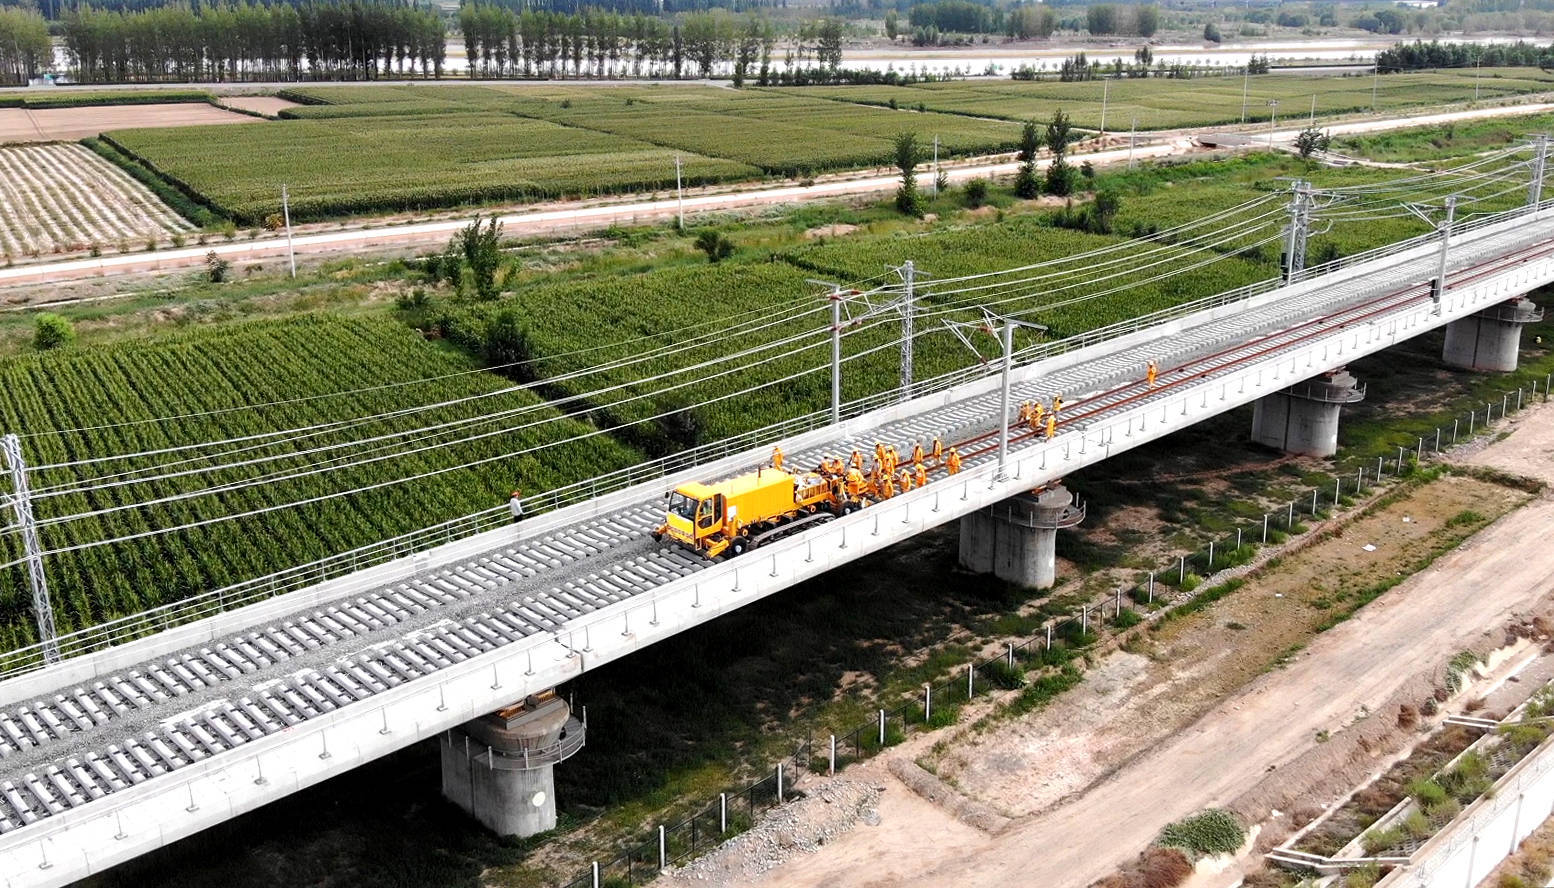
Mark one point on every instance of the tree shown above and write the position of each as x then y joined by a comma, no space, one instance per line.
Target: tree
715,245
892,25
52,331
1211,33
1101,19
1312,141
1026,184
476,248
1146,20
1060,179
1103,210
908,154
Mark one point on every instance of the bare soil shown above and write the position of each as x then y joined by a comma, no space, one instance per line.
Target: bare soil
66,124
1207,714
269,106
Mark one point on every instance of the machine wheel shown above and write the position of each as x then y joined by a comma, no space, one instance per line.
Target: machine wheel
850,507
738,547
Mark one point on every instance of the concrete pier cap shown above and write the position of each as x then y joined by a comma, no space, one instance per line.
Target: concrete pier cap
1303,419
500,768
1015,540
1490,339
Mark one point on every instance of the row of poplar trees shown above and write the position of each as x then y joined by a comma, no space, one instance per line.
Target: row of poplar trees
24,45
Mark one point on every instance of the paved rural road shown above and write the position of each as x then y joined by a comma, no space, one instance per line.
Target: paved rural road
576,219
1405,633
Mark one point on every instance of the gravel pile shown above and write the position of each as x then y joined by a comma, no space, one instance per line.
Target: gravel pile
830,810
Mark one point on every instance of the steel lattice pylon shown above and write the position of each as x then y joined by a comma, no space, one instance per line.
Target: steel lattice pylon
21,505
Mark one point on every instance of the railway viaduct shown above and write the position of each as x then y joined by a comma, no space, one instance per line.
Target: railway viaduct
130,741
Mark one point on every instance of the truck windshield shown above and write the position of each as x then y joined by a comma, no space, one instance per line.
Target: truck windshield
682,505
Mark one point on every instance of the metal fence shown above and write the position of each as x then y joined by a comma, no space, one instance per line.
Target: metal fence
938,704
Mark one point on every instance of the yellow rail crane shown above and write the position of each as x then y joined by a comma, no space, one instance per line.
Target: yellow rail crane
731,517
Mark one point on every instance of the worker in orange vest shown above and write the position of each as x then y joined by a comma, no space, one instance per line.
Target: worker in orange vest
917,453
1150,373
922,475
952,461
857,460
938,449
1036,413
1052,424
777,458
886,487
905,480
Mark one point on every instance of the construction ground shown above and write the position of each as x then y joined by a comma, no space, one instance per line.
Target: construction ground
1266,702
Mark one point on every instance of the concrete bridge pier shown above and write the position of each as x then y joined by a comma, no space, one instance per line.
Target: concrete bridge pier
1015,540
500,768
1303,418
1490,339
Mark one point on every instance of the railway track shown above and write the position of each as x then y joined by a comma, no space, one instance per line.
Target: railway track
83,743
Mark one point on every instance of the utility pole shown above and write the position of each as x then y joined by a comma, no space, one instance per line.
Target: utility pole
21,505
1273,120
1477,76
1003,400
1005,335
1539,162
1106,86
1313,122
1375,79
1295,236
1132,137
908,273
1246,79
1440,274
836,347
936,165
291,255
679,192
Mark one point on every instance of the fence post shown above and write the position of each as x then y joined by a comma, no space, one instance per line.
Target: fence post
663,861
1337,490
1049,636
1152,581
1181,570
1010,645
596,874
1238,539
779,783
1084,619
928,692
1211,556
1471,415
1265,528
1454,422
722,813
1119,601
1314,503
1437,439
831,767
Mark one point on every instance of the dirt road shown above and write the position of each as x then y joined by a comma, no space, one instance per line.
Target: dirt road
565,218
1360,663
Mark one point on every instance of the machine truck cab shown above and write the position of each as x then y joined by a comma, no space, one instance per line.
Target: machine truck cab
733,516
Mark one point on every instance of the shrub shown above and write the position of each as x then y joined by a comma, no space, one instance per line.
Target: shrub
216,268
1427,792
1001,674
976,193
1126,619
1163,868
1215,831
1376,841
52,331
1364,877
717,246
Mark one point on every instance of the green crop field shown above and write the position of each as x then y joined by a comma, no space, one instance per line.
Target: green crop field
561,319
337,167
224,369
1202,101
